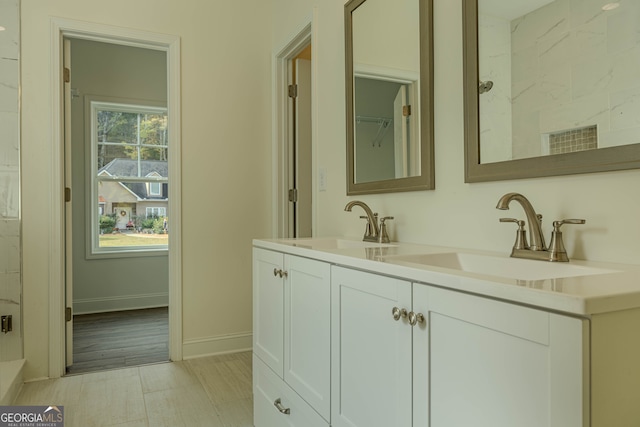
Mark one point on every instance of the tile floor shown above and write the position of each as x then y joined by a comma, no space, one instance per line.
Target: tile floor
211,391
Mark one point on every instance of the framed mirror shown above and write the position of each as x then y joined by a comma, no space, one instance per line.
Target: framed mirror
389,95
551,87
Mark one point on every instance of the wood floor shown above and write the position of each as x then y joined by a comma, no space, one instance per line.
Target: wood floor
120,339
213,391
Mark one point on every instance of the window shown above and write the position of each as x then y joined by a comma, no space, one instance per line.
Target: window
154,189
158,212
129,177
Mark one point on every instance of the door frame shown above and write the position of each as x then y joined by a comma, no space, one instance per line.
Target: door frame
66,28
281,136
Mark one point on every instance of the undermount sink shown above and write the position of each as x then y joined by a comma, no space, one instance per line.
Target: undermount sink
336,243
510,268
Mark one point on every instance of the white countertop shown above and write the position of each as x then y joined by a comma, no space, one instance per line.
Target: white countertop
616,290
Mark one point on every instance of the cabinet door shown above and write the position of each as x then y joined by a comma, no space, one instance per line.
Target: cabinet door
371,352
497,364
268,306
307,320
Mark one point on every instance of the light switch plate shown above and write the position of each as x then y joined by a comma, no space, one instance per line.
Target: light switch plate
322,179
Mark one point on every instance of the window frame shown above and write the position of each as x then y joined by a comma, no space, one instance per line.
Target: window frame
153,185
150,185
93,180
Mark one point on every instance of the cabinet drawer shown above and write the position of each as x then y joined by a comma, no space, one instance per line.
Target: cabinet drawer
268,389
527,323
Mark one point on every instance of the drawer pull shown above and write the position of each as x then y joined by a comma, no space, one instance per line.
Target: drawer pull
275,272
282,409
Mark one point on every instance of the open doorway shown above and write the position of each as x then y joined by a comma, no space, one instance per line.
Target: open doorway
294,134
116,165
300,145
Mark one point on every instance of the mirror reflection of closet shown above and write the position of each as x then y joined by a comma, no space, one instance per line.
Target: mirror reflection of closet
389,95
385,134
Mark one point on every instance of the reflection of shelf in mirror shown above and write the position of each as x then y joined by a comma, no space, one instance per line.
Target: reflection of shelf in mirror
383,126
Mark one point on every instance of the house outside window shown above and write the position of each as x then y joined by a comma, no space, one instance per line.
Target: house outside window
130,178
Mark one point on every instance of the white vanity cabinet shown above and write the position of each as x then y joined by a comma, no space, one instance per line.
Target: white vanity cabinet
472,361
346,338
291,340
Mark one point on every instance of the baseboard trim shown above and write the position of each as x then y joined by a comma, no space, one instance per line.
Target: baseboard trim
120,303
210,346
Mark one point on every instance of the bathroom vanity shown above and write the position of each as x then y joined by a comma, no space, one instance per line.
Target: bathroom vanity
351,333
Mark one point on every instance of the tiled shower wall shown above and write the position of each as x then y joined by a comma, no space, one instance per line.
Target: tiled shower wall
494,51
10,273
575,65
564,67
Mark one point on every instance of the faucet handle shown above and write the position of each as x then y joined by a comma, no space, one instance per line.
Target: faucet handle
518,221
384,237
558,224
521,234
557,252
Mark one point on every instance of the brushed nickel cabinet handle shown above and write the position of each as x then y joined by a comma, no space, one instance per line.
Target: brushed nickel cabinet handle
281,273
397,313
415,318
279,407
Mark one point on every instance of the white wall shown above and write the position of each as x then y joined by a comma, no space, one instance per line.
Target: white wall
455,213
225,70
374,41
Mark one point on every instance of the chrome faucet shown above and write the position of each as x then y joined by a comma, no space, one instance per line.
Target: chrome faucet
374,232
537,249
